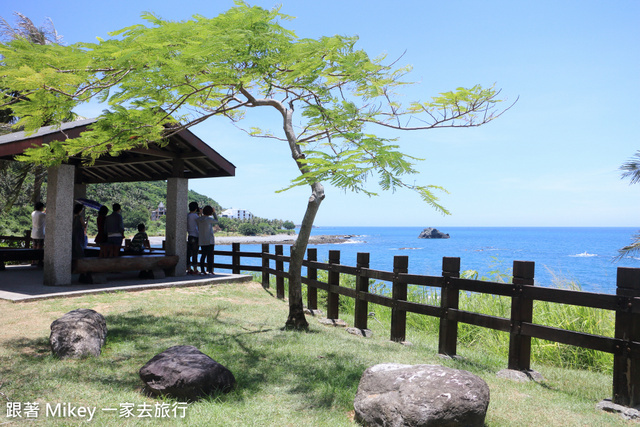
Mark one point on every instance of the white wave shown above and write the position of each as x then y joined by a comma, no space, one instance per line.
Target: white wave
584,254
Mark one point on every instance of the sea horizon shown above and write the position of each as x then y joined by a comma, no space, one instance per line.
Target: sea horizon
582,255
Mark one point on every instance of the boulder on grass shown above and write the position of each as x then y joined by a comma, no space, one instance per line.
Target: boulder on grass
420,395
185,372
79,333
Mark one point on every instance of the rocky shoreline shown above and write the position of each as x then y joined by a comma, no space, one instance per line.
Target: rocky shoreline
278,239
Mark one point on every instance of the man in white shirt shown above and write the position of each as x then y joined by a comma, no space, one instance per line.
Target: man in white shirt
38,217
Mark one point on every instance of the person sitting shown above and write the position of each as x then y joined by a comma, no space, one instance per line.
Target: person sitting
140,241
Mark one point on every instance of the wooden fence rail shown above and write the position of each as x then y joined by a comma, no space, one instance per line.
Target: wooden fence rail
20,241
624,345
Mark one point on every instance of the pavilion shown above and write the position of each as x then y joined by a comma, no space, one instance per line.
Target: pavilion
184,157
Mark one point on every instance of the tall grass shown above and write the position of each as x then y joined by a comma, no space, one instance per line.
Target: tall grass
574,318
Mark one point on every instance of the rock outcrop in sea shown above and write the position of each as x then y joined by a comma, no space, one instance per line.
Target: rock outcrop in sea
433,233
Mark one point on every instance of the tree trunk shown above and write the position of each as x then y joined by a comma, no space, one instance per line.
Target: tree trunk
296,319
38,179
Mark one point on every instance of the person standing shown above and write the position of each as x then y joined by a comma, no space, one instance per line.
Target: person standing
192,238
38,221
38,217
101,237
77,233
206,238
114,227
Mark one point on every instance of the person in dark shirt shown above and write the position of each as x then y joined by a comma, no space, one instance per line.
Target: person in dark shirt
77,233
101,237
114,227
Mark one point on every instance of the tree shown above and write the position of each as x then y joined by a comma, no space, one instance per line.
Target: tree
631,171
164,77
26,30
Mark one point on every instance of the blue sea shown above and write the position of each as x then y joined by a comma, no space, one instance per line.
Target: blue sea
584,255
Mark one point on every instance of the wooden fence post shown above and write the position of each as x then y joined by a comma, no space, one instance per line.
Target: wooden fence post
279,277
333,299
626,362
265,266
449,300
521,311
362,286
399,293
312,274
27,239
235,258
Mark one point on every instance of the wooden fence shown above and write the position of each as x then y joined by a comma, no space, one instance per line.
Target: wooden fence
624,345
17,241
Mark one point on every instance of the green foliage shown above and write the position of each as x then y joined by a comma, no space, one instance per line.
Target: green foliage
227,224
249,229
171,74
137,199
288,225
266,229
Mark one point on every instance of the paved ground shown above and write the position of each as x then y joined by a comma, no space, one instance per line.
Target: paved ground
24,283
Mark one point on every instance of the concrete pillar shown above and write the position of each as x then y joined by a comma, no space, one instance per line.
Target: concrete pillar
57,239
176,231
79,191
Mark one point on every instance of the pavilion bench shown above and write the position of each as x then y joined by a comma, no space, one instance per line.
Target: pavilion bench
20,254
93,270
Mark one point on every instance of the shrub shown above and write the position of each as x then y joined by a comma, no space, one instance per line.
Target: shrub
266,229
248,229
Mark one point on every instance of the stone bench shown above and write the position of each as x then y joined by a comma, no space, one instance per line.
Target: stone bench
150,266
19,254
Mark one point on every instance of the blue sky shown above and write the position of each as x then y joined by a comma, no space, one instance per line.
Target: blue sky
552,160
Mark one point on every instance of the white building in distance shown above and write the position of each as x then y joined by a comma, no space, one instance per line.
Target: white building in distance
161,211
237,214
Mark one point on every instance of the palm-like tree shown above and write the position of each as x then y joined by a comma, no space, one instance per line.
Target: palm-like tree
14,174
631,170
26,29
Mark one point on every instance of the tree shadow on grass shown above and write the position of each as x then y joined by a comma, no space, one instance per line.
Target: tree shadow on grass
134,337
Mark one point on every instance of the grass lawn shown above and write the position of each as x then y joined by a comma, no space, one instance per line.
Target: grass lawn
284,378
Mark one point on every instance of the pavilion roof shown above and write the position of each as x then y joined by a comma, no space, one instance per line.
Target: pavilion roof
185,155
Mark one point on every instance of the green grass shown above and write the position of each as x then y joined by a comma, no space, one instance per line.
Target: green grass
283,377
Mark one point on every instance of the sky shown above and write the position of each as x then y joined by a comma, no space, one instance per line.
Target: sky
552,160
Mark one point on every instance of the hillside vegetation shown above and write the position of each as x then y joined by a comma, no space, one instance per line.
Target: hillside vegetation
137,199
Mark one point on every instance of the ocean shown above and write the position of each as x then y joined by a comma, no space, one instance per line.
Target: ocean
581,254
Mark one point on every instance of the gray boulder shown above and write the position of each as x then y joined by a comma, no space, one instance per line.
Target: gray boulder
185,372
79,333
433,233
420,395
